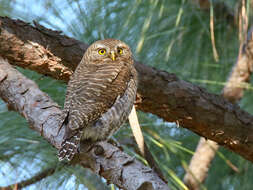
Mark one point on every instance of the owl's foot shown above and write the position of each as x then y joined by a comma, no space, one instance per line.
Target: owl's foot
88,145
138,100
114,142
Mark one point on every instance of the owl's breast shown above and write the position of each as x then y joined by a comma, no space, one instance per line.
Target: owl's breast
109,122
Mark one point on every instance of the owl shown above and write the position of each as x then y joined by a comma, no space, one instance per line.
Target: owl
100,95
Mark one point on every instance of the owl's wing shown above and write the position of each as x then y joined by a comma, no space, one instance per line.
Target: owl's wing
90,93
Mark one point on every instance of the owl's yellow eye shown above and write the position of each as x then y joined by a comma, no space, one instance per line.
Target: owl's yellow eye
120,51
102,51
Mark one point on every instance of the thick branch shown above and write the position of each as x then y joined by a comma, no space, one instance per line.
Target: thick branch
233,91
24,96
161,93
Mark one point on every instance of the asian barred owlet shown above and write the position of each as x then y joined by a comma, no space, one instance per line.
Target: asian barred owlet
100,95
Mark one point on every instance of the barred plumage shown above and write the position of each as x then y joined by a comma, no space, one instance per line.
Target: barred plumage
100,95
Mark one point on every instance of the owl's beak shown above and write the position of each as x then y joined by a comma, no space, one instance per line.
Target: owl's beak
112,55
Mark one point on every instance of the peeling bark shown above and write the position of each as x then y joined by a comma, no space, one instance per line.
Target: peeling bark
161,93
43,115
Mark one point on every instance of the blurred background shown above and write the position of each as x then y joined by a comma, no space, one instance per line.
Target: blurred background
171,35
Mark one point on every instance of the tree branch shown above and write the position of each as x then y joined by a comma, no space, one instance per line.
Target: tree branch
43,115
161,93
233,91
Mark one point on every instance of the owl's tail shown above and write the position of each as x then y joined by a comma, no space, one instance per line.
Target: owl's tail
69,147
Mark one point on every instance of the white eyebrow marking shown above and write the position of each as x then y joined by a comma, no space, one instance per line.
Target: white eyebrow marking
98,46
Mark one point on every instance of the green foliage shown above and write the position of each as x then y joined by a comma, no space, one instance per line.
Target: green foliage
171,35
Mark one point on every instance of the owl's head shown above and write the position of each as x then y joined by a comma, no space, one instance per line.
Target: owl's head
110,50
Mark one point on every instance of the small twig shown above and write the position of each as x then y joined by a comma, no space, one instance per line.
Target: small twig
136,129
243,23
215,53
143,148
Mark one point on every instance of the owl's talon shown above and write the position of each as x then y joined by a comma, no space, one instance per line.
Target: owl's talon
86,146
98,150
138,100
114,142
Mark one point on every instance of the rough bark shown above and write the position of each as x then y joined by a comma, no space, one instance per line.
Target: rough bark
160,93
43,115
